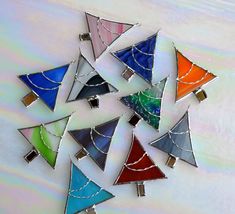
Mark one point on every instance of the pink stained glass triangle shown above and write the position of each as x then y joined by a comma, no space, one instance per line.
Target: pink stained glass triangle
104,33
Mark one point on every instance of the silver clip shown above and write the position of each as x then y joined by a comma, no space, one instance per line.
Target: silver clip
140,189
90,210
134,119
85,37
93,101
171,161
31,155
81,154
200,94
127,74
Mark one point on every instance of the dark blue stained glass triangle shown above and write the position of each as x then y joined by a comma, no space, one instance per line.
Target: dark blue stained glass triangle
94,143
46,84
139,57
83,193
57,74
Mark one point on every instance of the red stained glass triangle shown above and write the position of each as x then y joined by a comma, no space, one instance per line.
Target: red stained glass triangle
139,166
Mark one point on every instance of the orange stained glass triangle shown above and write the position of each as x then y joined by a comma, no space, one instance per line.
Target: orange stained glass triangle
190,76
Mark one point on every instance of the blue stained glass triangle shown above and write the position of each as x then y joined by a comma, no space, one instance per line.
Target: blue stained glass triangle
46,84
95,144
177,142
140,57
83,193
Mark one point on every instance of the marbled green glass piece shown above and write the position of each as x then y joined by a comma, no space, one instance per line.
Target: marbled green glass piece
147,103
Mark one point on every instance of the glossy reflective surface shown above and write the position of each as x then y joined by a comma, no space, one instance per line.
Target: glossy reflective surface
46,84
147,103
96,141
139,57
138,166
177,141
83,193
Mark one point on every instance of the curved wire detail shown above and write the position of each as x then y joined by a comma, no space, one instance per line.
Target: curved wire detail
186,150
133,55
47,89
82,187
148,54
154,115
93,142
102,24
156,98
92,85
139,170
187,73
43,141
86,197
44,75
51,132
101,134
185,132
135,162
84,75
191,83
100,37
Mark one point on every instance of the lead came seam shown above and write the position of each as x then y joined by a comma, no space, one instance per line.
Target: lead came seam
93,142
47,89
87,197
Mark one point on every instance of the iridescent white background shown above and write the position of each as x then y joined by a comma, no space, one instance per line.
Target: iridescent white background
38,35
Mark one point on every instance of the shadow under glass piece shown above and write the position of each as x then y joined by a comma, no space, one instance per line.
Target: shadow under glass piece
44,85
95,141
177,143
45,139
102,33
190,78
146,104
84,194
88,84
138,168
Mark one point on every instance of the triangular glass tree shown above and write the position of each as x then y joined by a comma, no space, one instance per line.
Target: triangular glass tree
138,168
102,33
95,141
146,104
190,78
84,194
177,143
139,59
44,85
45,139
88,84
